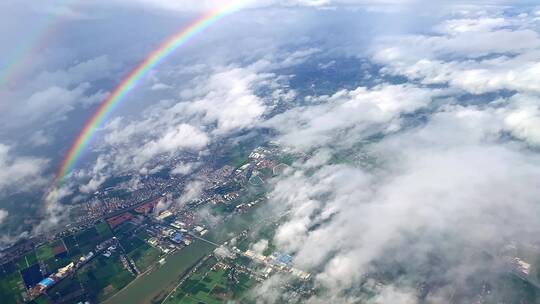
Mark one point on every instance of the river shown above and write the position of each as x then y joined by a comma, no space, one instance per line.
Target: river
154,286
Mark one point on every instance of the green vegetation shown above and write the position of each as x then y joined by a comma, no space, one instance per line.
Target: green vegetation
41,300
27,260
212,286
66,289
256,180
144,256
54,263
130,243
104,276
512,289
11,287
72,246
88,239
124,228
143,235
104,230
44,252
47,251
287,158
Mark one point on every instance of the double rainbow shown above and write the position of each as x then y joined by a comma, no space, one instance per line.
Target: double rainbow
131,81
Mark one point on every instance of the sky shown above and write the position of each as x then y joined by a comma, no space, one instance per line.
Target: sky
432,106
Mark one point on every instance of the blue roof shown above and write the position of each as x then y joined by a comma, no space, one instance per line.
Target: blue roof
178,237
285,258
47,282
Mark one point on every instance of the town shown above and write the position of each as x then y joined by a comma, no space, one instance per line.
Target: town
117,238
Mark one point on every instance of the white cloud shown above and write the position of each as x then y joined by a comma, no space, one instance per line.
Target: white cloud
184,168
227,99
523,119
436,180
20,172
3,215
53,212
353,113
180,137
454,56
456,26
214,106
49,96
192,191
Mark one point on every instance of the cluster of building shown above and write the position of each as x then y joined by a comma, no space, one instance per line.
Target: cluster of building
65,271
277,262
171,229
243,207
176,234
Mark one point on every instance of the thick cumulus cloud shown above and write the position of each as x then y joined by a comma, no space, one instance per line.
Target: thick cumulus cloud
226,98
19,172
180,137
448,184
3,215
189,6
213,106
443,196
50,96
481,55
348,116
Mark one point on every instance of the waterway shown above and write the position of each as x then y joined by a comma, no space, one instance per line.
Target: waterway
154,286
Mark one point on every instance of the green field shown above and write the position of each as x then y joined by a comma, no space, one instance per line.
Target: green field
11,287
88,239
131,242
124,228
44,252
54,263
104,276
144,256
211,286
72,246
41,300
27,260
256,180
143,235
104,230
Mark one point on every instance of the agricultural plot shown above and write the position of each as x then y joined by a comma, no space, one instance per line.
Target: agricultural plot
130,243
144,256
104,230
68,289
41,300
88,239
256,180
27,260
8,268
124,228
103,277
44,252
72,246
212,286
49,250
31,275
11,287
143,235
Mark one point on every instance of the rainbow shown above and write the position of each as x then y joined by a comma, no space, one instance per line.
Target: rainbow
133,78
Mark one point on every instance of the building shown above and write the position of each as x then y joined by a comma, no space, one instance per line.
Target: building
47,282
119,219
178,238
163,215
